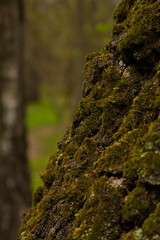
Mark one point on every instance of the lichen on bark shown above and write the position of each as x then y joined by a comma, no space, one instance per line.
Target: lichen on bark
104,181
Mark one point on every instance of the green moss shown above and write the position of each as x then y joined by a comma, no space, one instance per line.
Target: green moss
118,29
96,63
111,160
142,21
122,10
158,75
26,236
38,195
85,150
71,147
111,74
144,161
137,206
101,206
82,121
89,127
143,110
151,226
128,236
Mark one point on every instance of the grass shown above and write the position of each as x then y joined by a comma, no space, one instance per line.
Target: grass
40,113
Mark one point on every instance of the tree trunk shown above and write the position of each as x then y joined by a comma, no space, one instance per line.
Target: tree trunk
104,181
14,177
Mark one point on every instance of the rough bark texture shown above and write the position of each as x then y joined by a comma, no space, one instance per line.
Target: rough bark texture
104,183
14,178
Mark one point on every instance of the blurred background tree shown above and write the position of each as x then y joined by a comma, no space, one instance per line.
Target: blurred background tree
15,195
58,36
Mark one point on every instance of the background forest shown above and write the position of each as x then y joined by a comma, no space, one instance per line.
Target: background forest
58,36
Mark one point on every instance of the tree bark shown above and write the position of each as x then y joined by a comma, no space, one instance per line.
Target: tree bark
14,176
104,181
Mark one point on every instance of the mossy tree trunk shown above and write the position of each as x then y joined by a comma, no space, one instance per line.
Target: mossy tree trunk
14,177
104,182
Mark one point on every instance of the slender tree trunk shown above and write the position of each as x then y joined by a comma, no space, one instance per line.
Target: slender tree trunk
14,177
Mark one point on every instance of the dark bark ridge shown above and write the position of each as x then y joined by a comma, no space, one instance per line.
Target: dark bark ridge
104,181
